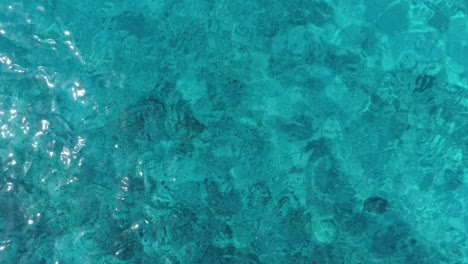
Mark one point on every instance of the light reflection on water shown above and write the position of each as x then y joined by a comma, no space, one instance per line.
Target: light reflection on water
42,100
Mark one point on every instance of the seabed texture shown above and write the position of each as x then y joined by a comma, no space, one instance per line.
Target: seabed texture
234,131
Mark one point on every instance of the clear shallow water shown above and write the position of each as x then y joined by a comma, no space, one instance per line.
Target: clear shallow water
233,132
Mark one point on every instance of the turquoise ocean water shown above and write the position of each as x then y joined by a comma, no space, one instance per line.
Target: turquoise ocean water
253,131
